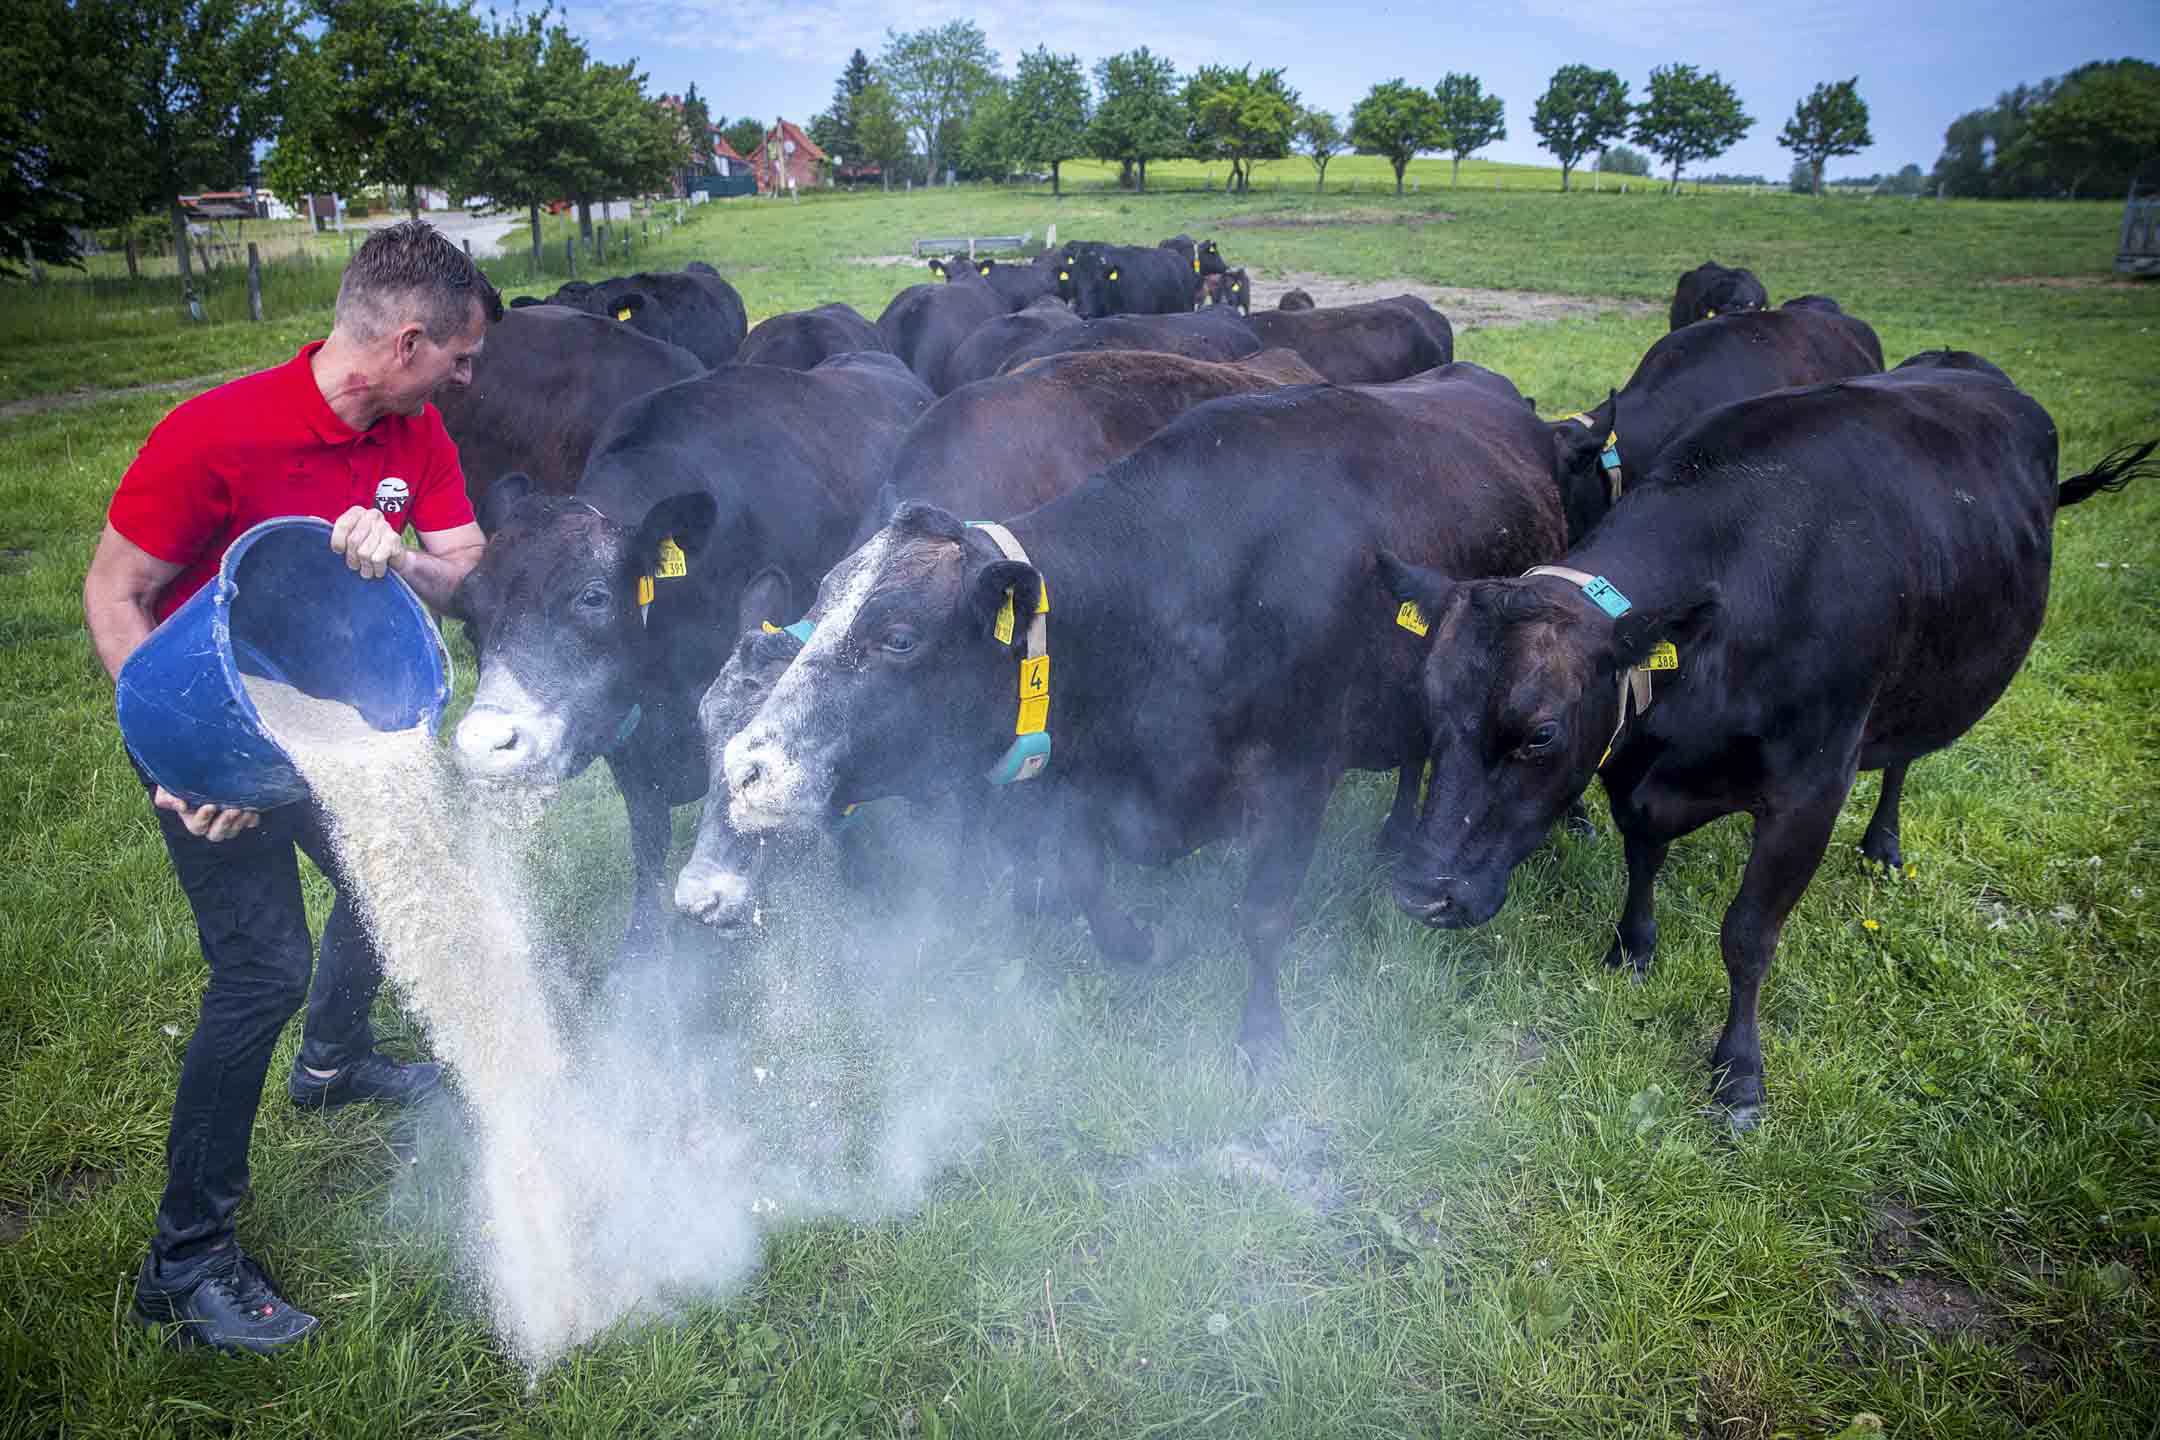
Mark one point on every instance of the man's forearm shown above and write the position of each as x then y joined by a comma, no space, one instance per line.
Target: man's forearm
433,576
117,626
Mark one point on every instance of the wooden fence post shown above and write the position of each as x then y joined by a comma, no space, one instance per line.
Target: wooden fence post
569,252
254,284
468,247
134,264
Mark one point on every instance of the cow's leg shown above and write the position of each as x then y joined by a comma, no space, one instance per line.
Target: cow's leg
1635,938
1880,843
1120,937
1284,828
636,770
1789,845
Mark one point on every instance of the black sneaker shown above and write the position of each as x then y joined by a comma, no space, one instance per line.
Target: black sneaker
372,1077
230,1306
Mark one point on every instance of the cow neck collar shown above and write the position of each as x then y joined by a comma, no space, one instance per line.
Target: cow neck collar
1635,692
1609,458
1029,754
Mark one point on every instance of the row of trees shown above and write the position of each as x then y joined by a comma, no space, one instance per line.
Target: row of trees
109,108
2093,130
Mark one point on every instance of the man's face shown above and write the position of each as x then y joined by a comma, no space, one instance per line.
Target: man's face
423,368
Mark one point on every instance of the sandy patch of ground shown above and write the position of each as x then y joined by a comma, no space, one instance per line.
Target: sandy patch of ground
2068,282
1465,308
69,399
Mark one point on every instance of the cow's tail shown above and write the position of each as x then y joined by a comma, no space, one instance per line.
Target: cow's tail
2118,469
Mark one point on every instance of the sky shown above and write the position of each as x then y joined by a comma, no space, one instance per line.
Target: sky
1921,63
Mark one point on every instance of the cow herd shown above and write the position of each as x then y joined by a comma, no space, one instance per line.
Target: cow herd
1118,568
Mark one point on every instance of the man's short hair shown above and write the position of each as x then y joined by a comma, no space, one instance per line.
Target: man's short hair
412,271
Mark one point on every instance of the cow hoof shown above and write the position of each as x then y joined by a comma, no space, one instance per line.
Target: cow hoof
1263,1059
1637,966
1739,1119
1882,850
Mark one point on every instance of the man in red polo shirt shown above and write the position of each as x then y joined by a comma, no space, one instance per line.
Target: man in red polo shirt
344,432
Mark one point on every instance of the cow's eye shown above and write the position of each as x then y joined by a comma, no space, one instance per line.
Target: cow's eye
899,640
593,597
1540,740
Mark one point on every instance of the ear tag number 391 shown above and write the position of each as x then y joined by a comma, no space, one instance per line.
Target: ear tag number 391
673,565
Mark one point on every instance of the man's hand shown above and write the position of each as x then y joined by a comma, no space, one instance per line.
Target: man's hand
366,541
208,822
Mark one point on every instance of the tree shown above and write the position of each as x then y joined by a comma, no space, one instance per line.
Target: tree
697,133
745,135
1138,117
2100,126
1469,118
1049,111
45,120
1622,160
1395,119
1690,115
880,134
936,77
390,92
1237,116
834,128
183,90
985,147
1319,139
1832,121
1581,112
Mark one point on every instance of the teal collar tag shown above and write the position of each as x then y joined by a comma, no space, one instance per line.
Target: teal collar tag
1606,596
801,630
1609,457
1024,759
628,727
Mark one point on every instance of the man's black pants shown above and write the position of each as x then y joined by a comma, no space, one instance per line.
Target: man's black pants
248,910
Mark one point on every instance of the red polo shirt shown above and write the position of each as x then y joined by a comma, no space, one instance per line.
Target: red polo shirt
266,445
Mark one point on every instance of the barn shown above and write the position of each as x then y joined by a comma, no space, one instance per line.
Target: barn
801,163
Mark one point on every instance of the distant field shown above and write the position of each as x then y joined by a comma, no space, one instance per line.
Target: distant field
1484,1202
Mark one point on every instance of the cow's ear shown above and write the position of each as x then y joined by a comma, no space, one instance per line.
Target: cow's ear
1410,586
937,268
685,520
888,501
626,305
767,598
1681,624
1000,582
500,499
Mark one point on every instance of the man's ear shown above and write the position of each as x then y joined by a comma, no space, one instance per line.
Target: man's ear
988,598
408,340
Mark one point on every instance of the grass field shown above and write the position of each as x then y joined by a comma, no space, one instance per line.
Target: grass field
1483,1202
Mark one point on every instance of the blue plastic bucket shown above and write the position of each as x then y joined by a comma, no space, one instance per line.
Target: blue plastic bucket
286,608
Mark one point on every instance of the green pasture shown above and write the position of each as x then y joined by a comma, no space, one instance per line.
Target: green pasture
1484,1201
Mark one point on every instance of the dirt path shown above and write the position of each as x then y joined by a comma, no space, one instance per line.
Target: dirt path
70,399
1466,309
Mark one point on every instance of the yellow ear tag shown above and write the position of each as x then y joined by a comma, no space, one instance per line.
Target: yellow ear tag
644,589
623,314
1064,275
672,564
1709,314
1665,657
1235,287
768,627
982,270
1113,274
1411,618
1004,627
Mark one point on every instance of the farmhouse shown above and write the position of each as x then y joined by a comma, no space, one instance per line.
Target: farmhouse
801,162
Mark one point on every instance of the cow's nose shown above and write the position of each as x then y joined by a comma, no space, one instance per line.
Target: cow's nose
716,896
490,743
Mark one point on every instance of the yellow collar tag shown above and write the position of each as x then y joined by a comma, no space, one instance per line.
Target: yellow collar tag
673,565
1196,265
1665,657
1411,618
1034,696
623,314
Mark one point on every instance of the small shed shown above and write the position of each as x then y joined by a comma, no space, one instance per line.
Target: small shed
799,159
2138,253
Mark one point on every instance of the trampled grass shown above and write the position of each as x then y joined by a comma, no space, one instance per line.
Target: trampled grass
1485,1201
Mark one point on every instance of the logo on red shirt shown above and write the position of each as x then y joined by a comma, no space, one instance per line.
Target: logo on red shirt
392,496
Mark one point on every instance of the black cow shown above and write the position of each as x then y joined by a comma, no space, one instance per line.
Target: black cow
997,448
1813,302
693,308
1223,648
1133,279
1947,359
1690,371
1367,344
1232,288
1211,258
1202,335
1019,286
1711,289
541,388
924,324
984,352
804,339
1819,581
722,499
1295,300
